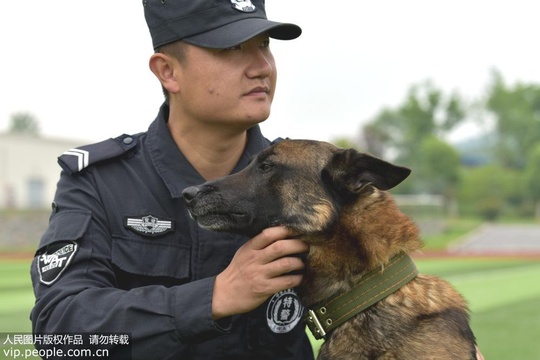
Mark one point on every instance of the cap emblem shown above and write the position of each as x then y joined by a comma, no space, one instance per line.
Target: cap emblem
243,5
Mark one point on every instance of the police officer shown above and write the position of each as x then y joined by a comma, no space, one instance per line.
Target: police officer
122,256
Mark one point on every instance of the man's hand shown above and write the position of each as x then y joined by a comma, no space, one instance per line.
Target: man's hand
259,269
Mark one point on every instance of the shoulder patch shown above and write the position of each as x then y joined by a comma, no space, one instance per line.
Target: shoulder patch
76,160
53,263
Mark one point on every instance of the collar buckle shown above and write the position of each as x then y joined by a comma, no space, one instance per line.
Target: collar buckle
314,325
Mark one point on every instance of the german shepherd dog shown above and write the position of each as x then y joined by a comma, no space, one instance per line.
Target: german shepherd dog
336,199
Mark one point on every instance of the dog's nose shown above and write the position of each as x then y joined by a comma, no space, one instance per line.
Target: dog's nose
190,193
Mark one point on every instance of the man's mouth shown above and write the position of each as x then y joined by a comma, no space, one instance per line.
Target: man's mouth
259,90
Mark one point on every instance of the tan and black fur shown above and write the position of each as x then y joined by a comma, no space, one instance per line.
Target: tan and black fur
336,199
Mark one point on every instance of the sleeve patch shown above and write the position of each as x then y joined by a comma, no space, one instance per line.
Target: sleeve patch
58,244
51,264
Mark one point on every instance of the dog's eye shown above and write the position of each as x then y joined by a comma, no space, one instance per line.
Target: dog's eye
265,167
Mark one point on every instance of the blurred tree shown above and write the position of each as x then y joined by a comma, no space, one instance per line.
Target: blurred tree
489,191
426,112
374,139
532,177
438,171
24,123
517,119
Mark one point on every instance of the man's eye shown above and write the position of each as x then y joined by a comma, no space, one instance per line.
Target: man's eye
265,43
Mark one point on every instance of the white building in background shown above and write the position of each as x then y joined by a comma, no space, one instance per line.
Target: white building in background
29,170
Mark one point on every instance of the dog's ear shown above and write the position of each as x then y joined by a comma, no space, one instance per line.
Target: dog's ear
350,171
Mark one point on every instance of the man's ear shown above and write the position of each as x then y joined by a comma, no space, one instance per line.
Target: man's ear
350,171
166,69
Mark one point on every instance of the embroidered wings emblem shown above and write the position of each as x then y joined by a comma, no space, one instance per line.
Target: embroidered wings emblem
149,225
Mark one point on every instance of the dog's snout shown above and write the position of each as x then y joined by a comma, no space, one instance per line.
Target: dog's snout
190,193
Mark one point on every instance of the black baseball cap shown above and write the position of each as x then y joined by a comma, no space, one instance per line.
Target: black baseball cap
217,24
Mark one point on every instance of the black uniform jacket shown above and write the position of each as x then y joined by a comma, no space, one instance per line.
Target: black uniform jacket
121,255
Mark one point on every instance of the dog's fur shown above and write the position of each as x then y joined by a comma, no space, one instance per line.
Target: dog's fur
337,200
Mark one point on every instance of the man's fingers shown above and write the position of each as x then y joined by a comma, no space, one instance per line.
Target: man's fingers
282,248
276,242
269,236
285,265
289,281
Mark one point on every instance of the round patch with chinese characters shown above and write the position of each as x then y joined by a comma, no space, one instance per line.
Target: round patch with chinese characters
284,311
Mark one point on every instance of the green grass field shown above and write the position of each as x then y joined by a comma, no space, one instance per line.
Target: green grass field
16,296
504,296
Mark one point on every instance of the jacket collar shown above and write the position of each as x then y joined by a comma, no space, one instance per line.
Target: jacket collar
173,167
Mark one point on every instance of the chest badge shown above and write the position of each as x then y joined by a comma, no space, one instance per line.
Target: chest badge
149,225
284,311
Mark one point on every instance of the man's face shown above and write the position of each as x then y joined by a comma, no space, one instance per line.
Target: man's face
232,86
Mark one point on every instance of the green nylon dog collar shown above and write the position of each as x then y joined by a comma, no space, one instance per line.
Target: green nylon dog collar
374,286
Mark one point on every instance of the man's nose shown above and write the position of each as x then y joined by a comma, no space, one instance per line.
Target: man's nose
261,64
